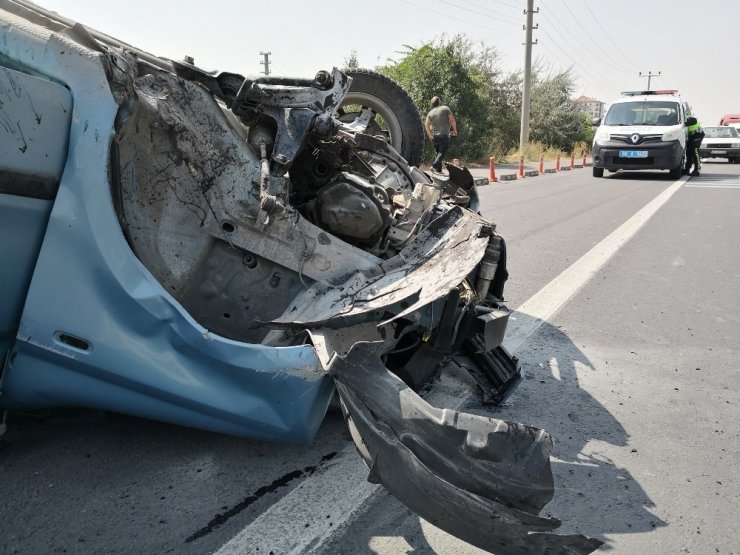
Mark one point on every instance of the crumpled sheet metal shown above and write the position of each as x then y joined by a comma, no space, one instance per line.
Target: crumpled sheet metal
437,260
482,479
147,355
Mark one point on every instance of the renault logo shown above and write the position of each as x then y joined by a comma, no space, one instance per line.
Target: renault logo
635,138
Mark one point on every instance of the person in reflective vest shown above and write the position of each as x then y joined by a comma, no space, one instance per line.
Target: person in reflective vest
693,140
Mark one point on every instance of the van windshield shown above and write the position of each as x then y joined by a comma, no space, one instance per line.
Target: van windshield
643,113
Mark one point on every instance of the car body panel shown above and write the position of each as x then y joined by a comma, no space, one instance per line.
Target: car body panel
35,116
22,225
146,355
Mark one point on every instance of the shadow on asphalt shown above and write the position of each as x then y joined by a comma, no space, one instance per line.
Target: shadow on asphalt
593,495
629,175
665,176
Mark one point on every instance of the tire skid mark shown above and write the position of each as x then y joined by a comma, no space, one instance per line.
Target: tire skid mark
217,521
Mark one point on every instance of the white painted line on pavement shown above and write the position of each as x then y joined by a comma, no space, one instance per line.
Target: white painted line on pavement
714,186
298,523
528,317
299,520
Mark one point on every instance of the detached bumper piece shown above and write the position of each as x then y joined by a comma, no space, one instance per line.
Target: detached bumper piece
482,479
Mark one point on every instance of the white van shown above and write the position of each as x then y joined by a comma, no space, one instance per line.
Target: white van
644,130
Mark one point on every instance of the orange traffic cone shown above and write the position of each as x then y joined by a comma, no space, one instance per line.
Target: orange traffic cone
492,169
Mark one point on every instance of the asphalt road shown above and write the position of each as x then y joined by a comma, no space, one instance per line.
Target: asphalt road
634,372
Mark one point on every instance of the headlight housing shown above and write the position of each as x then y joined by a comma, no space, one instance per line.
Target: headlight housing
673,135
601,134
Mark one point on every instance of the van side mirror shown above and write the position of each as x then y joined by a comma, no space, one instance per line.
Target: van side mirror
596,122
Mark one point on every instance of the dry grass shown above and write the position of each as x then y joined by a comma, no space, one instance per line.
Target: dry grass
531,155
533,151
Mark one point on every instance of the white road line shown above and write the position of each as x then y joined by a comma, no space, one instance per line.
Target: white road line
714,186
307,516
552,296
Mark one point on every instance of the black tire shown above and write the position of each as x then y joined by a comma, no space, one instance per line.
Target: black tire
386,97
677,172
597,172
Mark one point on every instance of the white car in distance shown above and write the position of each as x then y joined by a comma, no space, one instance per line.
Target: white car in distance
721,142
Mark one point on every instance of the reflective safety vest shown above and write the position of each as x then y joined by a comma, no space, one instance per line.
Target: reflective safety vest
694,128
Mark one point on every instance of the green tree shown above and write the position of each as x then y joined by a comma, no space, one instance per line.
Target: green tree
587,130
487,101
555,120
467,77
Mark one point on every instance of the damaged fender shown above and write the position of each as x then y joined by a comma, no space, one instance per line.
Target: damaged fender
481,479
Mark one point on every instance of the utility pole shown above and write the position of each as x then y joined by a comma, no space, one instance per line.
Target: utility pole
649,75
266,62
527,89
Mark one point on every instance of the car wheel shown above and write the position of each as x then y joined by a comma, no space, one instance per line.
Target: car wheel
597,172
399,121
676,173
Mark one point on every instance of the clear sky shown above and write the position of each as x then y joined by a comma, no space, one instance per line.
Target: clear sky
694,44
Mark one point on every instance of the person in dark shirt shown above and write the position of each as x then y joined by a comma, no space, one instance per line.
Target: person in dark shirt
440,125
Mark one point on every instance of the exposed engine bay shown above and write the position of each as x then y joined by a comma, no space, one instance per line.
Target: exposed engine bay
239,212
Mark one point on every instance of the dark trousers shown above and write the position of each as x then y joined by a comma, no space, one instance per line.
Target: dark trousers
692,155
441,146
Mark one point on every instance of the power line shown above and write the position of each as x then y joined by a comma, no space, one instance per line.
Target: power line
579,51
592,39
595,84
427,9
607,35
503,5
500,16
582,45
592,73
509,5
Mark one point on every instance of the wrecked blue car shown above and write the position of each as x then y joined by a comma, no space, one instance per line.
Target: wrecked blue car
225,253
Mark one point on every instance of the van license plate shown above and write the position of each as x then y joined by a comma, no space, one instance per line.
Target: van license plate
719,152
633,153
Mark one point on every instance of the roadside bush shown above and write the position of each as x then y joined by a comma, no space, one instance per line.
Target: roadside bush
467,78
486,101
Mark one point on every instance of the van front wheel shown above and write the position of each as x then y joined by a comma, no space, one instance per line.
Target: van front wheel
598,172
